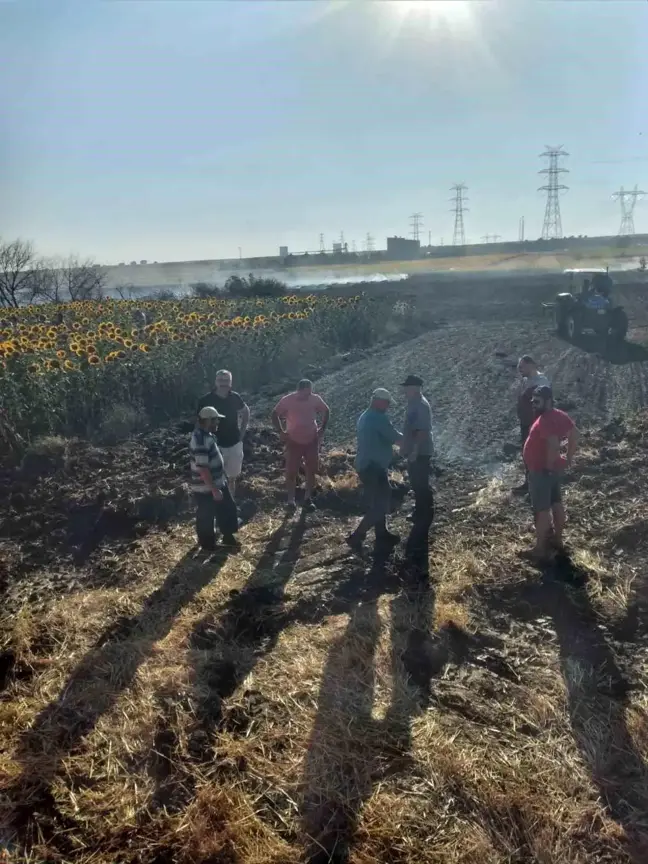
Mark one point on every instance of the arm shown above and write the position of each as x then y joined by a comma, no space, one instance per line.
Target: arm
243,419
572,444
201,455
277,417
325,413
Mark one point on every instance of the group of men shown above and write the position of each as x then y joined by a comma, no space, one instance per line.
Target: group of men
300,419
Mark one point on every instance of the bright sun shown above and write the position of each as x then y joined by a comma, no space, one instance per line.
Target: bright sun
433,10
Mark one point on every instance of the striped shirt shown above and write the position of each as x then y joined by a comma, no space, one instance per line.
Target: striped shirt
204,453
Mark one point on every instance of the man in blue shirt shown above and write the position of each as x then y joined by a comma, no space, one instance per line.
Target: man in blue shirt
376,438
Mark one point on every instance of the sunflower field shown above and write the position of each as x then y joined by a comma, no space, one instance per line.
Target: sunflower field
64,366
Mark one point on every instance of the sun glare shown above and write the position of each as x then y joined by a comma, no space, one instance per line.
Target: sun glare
450,11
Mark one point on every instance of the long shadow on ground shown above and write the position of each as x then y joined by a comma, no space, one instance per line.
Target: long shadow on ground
349,752
93,688
225,648
597,692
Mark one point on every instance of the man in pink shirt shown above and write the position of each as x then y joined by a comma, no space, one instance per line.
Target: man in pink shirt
295,419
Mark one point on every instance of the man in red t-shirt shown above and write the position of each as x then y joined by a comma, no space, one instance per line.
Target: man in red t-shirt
301,435
545,466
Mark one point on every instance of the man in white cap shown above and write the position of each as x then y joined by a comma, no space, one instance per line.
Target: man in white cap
376,439
231,429
213,498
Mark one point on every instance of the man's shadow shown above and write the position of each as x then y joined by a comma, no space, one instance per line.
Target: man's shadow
225,648
94,686
597,692
349,752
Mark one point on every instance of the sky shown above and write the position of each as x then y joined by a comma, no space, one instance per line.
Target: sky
164,130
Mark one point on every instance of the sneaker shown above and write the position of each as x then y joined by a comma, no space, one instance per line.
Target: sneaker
354,543
309,506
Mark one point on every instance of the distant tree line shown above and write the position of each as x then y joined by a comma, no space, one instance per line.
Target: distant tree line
26,277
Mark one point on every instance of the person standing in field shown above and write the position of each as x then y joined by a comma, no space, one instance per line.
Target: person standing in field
295,418
213,499
231,429
376,439
545,466
418,448
532,378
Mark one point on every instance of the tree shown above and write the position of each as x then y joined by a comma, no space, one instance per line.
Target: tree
18,266
67,279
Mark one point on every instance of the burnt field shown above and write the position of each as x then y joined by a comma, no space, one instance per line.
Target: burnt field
292,703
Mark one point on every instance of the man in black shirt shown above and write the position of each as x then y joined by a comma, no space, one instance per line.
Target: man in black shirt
231,428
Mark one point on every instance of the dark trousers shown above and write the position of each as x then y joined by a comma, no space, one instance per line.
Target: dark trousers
377,501
419,476
208,511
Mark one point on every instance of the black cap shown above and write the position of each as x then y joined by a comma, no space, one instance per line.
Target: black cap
543,392
412,381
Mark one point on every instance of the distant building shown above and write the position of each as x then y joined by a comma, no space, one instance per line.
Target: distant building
337,248
402,248
283,251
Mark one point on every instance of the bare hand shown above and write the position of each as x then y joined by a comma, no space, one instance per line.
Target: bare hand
218,495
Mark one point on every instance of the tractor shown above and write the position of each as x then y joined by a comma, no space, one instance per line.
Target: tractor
586,305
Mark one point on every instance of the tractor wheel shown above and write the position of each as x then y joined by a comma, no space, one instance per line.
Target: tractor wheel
573,326
561,323
619,326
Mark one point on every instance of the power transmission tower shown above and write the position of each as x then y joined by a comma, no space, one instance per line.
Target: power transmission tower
459,199
486,238
416,220
369,243
353,246
521,230
342,239
552,225
322,245
628,202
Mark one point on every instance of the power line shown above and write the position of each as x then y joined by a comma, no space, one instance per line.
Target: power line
416,220
552,225
628,201
459,199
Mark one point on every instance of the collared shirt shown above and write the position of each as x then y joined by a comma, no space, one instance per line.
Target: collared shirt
376,438
204,453
418,418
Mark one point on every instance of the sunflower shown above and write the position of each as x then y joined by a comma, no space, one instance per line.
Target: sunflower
69,365
93,360
34,367
145,348
60,354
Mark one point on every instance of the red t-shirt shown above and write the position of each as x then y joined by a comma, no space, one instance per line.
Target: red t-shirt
551,424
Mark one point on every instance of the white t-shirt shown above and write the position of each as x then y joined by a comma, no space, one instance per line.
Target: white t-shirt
533,381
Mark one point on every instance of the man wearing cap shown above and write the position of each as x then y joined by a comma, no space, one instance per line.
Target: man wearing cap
545,467
213,498
376,439
232,428
295,418
418,448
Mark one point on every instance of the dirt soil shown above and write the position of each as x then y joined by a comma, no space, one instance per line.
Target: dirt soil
296,703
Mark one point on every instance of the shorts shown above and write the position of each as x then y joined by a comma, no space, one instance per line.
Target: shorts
298,453
232,460
544,490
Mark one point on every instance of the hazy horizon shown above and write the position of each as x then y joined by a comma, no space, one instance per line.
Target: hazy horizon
183,131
